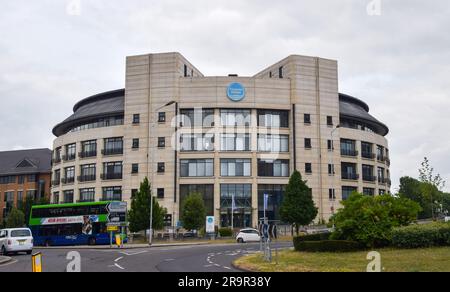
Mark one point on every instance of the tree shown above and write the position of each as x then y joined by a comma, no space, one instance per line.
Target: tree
298,205
139,214
193,212
28,203
413,189
370,220
432,186
15,219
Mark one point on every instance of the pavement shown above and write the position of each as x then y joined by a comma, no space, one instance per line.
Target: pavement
181,258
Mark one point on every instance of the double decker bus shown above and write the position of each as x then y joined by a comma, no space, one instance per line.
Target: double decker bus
72,224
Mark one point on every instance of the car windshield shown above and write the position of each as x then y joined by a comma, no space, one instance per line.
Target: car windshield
20,233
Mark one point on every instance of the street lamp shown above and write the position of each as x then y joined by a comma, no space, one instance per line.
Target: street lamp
150,236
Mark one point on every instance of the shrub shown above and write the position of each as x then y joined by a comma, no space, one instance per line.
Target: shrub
313,237
327,246
225,232
419,236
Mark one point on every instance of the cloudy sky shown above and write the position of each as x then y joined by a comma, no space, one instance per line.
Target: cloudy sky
396,57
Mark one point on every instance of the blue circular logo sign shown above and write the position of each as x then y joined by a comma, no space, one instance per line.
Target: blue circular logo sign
236,92
210,220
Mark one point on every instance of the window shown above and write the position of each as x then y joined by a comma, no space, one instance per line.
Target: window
161,142
329,120
275,198
99,123
197,142
68,197
134,192
56,177
330,145
136,119
369,191
161,117
235,142
87,195
112,170
112,194
273,118
331,169
69,175
308,143
31,178
88,149
197,168
366,150
113,146
348,147
197,118
280,72
55,198
135,168
4,180
185,71
21,179
380,153
32,194
308,168
349,171
273,168
71,151
57,155
135,143
381,176
88,173
235,167
235,117
367,171
161,167
307,119
160,193
273,143
236,197
347,191
332,194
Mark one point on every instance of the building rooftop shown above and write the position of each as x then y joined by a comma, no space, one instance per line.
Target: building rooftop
30,161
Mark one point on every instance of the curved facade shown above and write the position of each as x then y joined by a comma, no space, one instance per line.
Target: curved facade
231,139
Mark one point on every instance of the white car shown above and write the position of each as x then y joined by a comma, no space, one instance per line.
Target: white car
16,240
248,235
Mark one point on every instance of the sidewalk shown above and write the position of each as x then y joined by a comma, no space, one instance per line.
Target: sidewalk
4,260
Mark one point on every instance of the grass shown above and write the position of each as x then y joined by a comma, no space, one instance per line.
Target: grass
392,260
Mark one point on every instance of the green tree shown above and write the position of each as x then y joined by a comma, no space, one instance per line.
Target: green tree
298,205
370,220
411,188
28,203
432,186
15,219
139,214
193,212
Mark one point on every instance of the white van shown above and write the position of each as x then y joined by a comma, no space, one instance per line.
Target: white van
16,240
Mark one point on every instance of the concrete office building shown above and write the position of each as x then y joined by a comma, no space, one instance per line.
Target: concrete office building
233,137
23,173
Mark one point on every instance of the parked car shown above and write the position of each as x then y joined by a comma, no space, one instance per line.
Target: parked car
248,235
16,240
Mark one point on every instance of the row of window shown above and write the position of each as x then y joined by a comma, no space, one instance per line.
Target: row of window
111,170
99,123
348,148
20,179
88,195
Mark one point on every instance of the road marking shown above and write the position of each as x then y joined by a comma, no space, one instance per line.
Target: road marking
118,259
119,267
208,266
9,263
133,253
217,265
227,268
169,260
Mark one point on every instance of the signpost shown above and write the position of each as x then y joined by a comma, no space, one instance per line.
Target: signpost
117,218
210,225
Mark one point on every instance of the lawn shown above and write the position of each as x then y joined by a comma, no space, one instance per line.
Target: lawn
392,260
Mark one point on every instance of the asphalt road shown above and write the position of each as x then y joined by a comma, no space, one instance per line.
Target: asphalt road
203,258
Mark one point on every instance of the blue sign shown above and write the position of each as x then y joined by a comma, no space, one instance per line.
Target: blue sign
236,92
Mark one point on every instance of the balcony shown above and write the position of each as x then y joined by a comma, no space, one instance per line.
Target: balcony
350,176
347,152
388,161
56,160
87,154
68,180
56,182
70,157
369,178
111,176
85,178
381,158
368,155
108,152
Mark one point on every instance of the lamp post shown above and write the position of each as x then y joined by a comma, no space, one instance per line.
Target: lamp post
150,238
333,198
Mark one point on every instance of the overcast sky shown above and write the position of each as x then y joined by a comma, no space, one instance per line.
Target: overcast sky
54,53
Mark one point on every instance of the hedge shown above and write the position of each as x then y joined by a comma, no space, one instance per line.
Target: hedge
419,236
313,237
225,232
327,246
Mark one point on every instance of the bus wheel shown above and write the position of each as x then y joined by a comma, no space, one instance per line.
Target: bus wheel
92,241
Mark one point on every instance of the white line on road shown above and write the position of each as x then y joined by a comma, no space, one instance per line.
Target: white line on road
118,259
227,268
9,263
119,267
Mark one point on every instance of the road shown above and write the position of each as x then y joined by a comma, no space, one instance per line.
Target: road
202,258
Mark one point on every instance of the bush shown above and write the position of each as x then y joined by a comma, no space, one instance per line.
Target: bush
225,232
313,237
327,246
419,236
